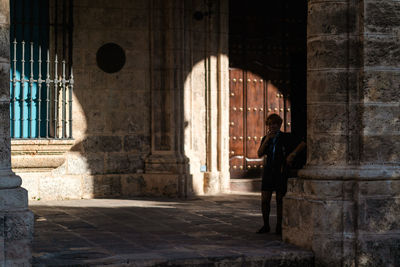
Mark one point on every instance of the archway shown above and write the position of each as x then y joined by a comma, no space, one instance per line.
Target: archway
267,60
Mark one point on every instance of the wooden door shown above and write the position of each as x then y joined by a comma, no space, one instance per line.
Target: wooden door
252,99
267,59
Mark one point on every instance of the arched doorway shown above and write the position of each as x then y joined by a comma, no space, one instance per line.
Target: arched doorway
267,60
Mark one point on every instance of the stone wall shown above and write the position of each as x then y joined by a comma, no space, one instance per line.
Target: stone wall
111,111
378,200
148,128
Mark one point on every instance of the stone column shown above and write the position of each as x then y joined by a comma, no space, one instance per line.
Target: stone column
166,169
16,221
345,205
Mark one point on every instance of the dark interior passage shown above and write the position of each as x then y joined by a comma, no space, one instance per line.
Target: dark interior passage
267,57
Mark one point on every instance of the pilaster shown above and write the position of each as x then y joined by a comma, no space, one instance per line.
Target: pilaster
206,98
216,62
189,70
166,168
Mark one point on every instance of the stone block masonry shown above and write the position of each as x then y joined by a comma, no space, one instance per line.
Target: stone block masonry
148,115
110,112
345,204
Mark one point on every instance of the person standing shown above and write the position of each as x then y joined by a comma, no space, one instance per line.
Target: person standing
279,150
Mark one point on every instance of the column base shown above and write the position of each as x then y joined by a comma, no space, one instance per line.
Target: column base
167,175
16,224
346,217
212,183
321,224
166,163
170,185
18,235
8,179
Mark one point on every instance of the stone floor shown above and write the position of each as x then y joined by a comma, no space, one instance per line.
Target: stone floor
204,231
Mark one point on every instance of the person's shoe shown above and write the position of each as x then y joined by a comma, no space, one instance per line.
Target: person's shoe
263,230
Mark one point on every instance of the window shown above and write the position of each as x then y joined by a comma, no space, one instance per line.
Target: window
41,78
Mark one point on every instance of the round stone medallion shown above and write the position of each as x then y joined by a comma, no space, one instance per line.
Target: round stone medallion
110,58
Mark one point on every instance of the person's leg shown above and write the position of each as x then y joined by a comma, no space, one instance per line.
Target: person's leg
279,207
265,209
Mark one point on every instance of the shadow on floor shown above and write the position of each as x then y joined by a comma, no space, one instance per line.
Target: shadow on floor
156,232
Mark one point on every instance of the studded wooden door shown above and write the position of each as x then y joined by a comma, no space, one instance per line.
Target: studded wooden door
252,99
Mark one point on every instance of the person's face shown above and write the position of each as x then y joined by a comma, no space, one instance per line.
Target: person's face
273,126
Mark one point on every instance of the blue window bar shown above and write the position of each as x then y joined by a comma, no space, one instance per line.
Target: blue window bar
41,77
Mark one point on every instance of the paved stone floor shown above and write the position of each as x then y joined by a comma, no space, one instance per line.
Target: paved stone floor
204,231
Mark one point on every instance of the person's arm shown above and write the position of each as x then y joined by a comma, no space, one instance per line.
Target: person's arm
262,147
300,147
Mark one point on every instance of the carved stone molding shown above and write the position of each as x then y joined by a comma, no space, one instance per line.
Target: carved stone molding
38,155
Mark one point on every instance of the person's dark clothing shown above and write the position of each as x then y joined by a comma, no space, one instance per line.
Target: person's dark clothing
274,177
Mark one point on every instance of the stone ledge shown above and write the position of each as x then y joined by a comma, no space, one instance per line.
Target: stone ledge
40,146
38,155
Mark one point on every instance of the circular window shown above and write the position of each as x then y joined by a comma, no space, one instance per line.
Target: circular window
110,58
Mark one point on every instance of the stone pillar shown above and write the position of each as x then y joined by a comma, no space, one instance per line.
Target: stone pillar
16,221
166,168
345,205
206,94
216,62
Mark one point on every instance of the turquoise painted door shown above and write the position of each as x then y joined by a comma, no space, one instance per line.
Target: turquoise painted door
29,30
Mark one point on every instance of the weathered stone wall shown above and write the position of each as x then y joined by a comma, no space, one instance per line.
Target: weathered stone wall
111,112
148,128
379,196
345,205
116,106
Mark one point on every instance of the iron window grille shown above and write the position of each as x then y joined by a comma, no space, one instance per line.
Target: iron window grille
41,77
